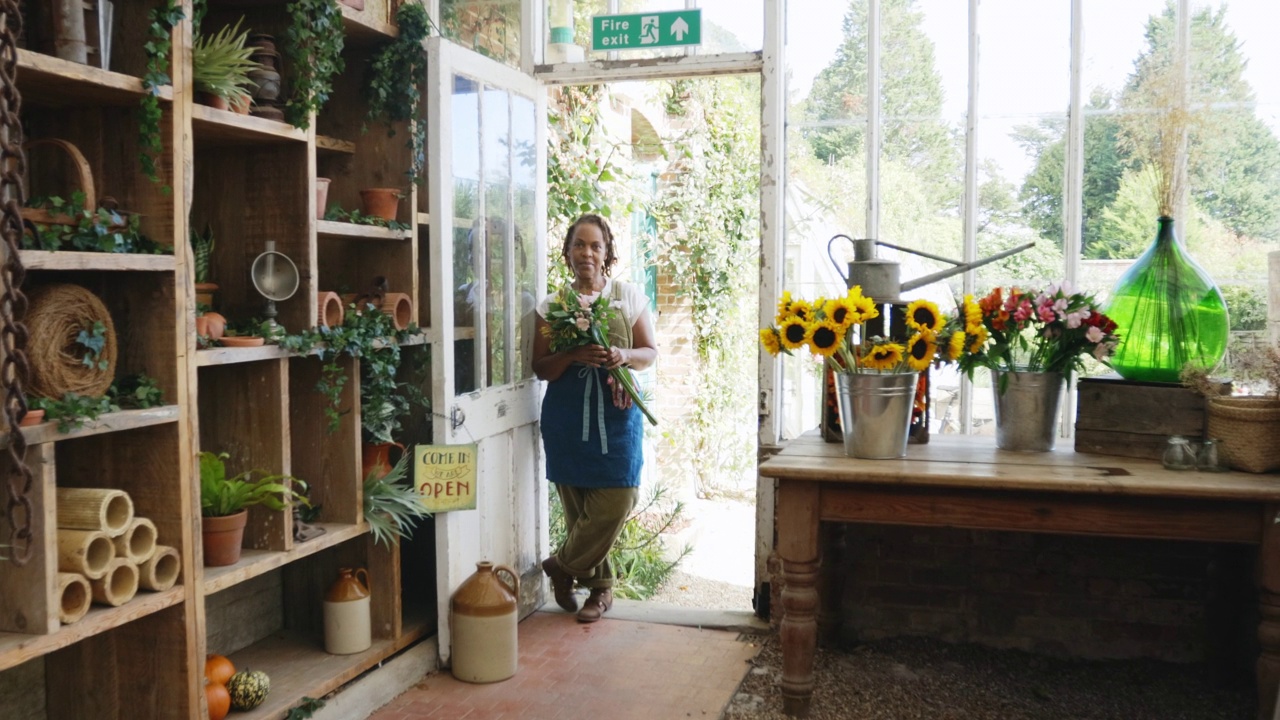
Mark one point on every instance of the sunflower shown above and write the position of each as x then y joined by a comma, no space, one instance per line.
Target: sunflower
920,351
842,312
769,338
801,309
885,356
784,306
865,306
956,345
824,337
792,333
923,315
980,336
972,314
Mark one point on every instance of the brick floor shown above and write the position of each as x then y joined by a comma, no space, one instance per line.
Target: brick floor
616,669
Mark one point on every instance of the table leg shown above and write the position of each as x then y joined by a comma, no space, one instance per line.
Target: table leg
1268,668
798,547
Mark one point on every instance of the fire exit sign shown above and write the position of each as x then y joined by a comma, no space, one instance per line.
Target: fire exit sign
646,30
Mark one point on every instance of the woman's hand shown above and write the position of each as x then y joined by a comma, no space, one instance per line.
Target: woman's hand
593,355
621,399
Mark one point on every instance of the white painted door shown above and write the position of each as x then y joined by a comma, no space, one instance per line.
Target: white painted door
487,200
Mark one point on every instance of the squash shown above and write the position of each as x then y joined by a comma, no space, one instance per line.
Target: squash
248,689
217,698
218,668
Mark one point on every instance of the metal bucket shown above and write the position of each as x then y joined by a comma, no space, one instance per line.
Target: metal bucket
1026,410
875,413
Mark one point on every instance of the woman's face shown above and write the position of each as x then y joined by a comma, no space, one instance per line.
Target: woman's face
587,251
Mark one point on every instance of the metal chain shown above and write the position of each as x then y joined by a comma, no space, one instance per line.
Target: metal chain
13,304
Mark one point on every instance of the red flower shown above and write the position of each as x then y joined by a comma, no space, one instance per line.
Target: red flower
1102,322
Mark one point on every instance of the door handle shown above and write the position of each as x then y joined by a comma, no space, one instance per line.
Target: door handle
457,417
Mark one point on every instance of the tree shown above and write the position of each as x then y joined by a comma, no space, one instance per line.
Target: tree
911,98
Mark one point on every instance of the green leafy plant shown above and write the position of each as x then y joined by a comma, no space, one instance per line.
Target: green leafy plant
313,44
163,19
220,64
73,410
392,505
93,339
336,213
221,495
202,252
100,230
391,82
136,391
304,709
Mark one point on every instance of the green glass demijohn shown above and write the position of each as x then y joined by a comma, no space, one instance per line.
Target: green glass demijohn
1169,313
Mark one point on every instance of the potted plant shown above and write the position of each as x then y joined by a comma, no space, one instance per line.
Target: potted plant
381,202
392,505
224,503
220,68
201,256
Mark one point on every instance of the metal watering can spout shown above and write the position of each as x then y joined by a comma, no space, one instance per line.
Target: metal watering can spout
878,277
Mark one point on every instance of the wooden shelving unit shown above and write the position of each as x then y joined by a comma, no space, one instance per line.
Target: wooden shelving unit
250,180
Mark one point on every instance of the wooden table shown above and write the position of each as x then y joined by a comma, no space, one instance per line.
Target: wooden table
965,482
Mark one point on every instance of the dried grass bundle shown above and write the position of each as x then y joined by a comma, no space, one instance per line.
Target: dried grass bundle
56,318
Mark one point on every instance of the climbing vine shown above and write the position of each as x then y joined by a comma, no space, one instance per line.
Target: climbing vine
159,42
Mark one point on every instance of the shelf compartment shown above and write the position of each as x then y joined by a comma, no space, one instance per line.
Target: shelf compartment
106,423
212,126
327,458
254,563
352,231
325,143
53,82
73,260
231,356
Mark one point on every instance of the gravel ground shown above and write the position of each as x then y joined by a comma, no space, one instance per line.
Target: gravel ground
692,591
910,678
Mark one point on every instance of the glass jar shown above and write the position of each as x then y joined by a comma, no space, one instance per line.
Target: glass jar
1179,454
1210,458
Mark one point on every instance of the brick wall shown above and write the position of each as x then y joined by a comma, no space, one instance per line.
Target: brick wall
1061,595
676,376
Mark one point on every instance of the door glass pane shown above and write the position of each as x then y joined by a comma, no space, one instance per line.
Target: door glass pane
466,213
524,181
496,154
490,27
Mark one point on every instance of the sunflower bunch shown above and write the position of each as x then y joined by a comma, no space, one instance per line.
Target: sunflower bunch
835,330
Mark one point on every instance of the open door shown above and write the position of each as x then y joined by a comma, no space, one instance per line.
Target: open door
487,202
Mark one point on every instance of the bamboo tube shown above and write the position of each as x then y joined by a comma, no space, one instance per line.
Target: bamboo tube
138,542
87,552
94,509
73,597
118,586
160,571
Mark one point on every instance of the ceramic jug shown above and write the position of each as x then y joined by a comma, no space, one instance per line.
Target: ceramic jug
484,613
347,625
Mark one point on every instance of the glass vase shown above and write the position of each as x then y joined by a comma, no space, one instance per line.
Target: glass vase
1169,313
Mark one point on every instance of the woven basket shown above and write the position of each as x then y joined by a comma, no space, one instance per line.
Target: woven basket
56,315
84,179
1249,428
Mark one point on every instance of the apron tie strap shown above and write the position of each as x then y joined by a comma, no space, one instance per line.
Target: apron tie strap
590,374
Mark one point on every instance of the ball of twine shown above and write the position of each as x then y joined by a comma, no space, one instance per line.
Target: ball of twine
55,317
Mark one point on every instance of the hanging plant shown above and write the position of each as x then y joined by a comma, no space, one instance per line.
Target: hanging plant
392,82
163,18
313,44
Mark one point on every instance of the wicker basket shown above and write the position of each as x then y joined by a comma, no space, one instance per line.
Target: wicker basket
1249,428
84,179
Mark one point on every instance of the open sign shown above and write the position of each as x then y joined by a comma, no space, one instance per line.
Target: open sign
445,476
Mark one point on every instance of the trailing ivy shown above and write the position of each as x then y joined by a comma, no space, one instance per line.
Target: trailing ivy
99,230
73,410
163,19
313,44
335,212
392,82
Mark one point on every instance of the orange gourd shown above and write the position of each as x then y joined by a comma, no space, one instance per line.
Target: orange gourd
218,669
218,699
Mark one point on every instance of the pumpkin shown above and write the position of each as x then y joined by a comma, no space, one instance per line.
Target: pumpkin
218,669
217,698
248,689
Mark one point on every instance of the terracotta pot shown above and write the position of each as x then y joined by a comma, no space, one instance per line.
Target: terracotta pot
216,102
380,202
353,4
217,324
377,455
322,196
222,537
33,417
202,326
330,312
398,305
242,107
242,341
206,293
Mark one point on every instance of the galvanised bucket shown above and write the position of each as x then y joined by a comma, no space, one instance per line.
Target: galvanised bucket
1026,405
875,413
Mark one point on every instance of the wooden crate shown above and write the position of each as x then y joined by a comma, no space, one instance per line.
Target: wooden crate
1121,417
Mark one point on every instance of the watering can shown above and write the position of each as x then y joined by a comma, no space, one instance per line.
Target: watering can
878,277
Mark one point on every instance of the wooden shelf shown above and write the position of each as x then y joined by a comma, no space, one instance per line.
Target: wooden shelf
352,231
325,143
257,562
424,218
71,260
300,667
53,82
16,649
110,422
213,126
363,29
230,356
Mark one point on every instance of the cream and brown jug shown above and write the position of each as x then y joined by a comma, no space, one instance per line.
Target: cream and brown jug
484,614
347,623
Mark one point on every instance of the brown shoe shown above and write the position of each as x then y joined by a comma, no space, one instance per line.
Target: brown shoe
597,604
561,584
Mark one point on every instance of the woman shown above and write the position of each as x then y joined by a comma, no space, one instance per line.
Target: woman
596,474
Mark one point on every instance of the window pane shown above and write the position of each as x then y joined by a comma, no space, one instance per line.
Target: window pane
496,127
525,183
490,27
466,214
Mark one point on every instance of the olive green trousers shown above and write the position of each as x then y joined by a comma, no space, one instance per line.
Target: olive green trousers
594,518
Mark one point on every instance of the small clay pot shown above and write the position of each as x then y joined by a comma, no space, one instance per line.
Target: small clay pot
242,341
33,417
216,323
217,102
322,196
380,202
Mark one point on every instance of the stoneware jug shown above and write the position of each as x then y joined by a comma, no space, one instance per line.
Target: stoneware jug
484,613
346,613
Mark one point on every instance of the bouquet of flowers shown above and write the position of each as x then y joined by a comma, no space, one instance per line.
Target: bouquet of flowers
835,329
576,321
1038,331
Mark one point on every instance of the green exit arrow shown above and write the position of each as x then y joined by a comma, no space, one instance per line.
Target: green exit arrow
641,31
